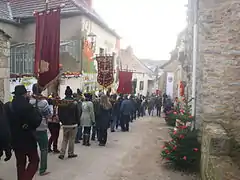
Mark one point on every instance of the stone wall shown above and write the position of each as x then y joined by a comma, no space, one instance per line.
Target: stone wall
4,66
216,164
219,40
219,48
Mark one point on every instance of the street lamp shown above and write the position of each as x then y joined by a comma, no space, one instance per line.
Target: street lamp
92,39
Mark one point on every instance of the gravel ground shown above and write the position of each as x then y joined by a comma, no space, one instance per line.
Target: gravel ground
133,155
144,162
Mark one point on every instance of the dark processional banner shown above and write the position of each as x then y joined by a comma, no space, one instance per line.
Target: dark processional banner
105,70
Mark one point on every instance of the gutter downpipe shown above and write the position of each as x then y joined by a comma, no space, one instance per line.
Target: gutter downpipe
195,57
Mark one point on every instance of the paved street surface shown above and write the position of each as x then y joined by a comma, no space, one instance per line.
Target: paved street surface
133,155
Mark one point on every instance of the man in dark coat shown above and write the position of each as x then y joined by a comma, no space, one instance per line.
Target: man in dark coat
69,116
120,100
5,135
134,110
24,118
126,109
96,107
138,101
159,105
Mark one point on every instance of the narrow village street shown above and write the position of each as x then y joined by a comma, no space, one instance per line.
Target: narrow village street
127,156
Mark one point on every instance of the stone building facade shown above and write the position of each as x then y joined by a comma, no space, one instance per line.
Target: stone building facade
219,47
78,21
142,76
4,66
169,67
218,85
176,65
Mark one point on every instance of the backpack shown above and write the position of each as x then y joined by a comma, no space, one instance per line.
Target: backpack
35,117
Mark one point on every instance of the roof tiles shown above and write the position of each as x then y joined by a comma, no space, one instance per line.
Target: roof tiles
12,9
5,13
25,8
130,62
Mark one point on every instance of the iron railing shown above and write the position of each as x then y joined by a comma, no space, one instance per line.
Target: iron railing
22,55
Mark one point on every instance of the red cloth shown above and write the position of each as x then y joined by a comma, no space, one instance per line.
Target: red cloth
181,88
125,82
47,46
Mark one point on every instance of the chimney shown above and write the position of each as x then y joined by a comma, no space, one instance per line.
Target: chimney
129,49
89,2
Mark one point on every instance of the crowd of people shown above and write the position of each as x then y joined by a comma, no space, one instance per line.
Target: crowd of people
29,122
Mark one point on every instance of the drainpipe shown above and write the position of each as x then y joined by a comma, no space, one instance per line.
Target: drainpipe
195,56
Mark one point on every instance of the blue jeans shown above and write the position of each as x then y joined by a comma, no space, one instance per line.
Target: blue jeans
79,134
114,122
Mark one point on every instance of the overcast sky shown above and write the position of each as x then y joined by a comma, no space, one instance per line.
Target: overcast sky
149,26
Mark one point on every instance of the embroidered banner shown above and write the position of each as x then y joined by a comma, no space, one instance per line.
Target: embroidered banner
105,70
47,46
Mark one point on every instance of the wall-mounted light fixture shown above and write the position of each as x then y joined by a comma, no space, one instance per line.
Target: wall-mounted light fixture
92,39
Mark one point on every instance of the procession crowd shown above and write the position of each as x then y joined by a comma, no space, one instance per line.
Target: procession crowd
29,122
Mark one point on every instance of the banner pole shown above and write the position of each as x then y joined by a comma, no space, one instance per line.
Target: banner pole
104,67
39,65
46,5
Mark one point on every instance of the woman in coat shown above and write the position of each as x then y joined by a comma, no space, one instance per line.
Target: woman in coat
103,120
87,118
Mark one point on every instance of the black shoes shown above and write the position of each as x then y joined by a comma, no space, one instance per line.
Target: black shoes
77,142
50,150
69,156
61,157
86,139
72,156
56,151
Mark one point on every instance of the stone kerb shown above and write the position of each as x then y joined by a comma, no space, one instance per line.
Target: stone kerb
222,168
215,149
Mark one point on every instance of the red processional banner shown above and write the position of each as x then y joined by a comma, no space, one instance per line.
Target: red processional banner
125,82
105,70
47,46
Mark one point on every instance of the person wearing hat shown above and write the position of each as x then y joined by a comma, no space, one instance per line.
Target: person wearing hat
69,116
41,103
23,120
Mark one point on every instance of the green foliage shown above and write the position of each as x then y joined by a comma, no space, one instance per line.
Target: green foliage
183,150
88,66
170,118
